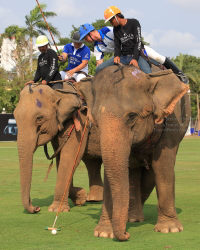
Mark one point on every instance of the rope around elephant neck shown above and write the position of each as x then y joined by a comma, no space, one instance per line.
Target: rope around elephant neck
65,137
73,168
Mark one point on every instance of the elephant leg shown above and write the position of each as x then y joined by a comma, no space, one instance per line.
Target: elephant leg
55,145
95,182
104,227
56,203
66,164
61,184
77,195
135,213
147,183
163,165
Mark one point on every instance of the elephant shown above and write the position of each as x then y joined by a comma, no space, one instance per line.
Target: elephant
142,119
45,115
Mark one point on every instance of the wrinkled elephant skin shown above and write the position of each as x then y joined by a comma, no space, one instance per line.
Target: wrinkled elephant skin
45,115
142,119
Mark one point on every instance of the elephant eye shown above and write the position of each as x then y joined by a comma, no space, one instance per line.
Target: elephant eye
132,116
131,119
39,120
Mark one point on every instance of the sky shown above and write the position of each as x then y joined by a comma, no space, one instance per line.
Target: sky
170,26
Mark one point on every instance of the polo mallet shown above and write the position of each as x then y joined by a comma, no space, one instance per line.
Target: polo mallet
48,28
63,197
52,228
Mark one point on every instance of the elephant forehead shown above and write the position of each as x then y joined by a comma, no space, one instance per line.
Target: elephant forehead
40,91
103,109
125,97
38,103
136,73
132,82
30,103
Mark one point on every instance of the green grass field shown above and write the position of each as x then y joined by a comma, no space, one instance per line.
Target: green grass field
21,230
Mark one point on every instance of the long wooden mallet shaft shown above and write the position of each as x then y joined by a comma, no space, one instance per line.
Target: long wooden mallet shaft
48,28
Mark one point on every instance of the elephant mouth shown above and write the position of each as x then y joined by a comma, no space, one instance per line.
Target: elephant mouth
152,140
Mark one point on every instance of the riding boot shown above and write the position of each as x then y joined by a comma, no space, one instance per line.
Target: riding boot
170,65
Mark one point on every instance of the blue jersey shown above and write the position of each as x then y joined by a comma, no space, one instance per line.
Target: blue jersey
76,56
107,43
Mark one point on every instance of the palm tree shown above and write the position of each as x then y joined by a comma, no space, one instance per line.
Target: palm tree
19,48
191,68
35,26
190,65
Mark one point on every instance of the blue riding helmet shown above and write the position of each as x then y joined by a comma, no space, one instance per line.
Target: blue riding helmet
85,29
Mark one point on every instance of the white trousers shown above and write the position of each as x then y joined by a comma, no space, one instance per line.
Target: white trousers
152,54
76,76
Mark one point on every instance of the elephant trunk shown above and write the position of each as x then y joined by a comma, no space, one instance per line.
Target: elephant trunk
115,148
26,148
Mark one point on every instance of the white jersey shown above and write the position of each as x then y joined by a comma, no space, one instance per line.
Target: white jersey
107,44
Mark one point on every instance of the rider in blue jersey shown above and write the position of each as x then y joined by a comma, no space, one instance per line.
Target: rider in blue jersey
78,57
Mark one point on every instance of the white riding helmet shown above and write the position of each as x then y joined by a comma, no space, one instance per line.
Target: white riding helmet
41,41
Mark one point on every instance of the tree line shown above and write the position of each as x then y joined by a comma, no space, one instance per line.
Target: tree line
11,83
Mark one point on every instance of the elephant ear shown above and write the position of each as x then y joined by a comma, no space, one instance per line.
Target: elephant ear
85,89
67,102
167,90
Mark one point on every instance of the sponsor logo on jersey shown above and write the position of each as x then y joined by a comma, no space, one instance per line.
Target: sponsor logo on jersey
52,68
87,55
42,62
127,37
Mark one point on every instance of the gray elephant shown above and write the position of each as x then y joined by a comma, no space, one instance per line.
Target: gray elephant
142,118
45,115
41,114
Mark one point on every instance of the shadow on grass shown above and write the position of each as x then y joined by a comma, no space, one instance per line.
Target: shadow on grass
150,214
49,200
150,211
41,202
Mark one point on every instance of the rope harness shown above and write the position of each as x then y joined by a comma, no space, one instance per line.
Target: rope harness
64,139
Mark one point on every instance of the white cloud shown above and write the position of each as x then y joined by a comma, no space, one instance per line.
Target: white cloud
4,12
131,13
174,41
6,18
192,5
66,8
195,52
